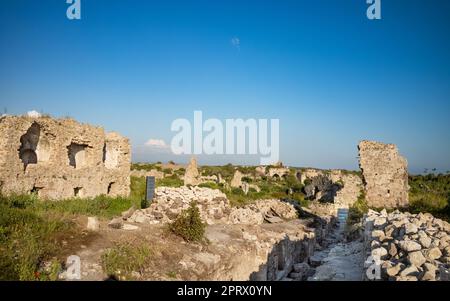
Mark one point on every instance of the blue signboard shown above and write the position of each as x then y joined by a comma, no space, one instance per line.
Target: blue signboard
150,188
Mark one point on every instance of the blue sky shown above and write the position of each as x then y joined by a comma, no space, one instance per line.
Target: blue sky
329,74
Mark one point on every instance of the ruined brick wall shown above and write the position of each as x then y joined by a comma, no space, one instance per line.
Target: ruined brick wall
61,158
385,174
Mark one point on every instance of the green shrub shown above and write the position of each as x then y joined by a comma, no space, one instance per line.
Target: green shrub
180,171
226,171
212,185
137,188
357,210
123,259
430,193
246,179
171,181
300,198
189,224
172,274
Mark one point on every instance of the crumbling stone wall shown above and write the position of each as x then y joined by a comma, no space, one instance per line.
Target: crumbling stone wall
349,185
278,172
385,174
61,158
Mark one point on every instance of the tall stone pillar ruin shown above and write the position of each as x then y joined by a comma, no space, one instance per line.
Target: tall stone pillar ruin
385,175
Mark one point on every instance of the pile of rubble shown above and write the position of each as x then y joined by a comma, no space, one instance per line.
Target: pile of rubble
169,202
407,246
271,211
213,205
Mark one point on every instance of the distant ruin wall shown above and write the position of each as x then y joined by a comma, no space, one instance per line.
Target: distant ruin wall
385,174
61,158
350,184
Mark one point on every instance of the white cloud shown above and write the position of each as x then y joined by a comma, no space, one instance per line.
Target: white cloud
236,42
33,114
156,143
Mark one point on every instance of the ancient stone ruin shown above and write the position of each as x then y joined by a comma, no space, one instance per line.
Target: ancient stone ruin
385,175
214,208
61,158
334,186
191,176
278,172
236,182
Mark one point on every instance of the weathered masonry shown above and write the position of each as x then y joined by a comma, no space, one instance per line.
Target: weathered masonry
385,174
61,158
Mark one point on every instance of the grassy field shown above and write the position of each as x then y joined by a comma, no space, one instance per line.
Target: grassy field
124,259
430,193
32,230
28,234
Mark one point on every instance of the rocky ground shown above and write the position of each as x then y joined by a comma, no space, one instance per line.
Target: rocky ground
339,260
407,247
232,252
267,240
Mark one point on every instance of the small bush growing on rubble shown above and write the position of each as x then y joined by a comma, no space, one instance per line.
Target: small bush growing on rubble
189,224
167,171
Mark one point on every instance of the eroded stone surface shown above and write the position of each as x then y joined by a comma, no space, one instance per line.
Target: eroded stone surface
61,158
385,174
344,187
191,177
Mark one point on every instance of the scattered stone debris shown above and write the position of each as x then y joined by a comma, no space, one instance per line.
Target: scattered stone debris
130,227
116,223
127,214
408,246
214,208
385,175
170,201
92,224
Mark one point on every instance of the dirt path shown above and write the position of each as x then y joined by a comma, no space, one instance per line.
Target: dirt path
340,261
